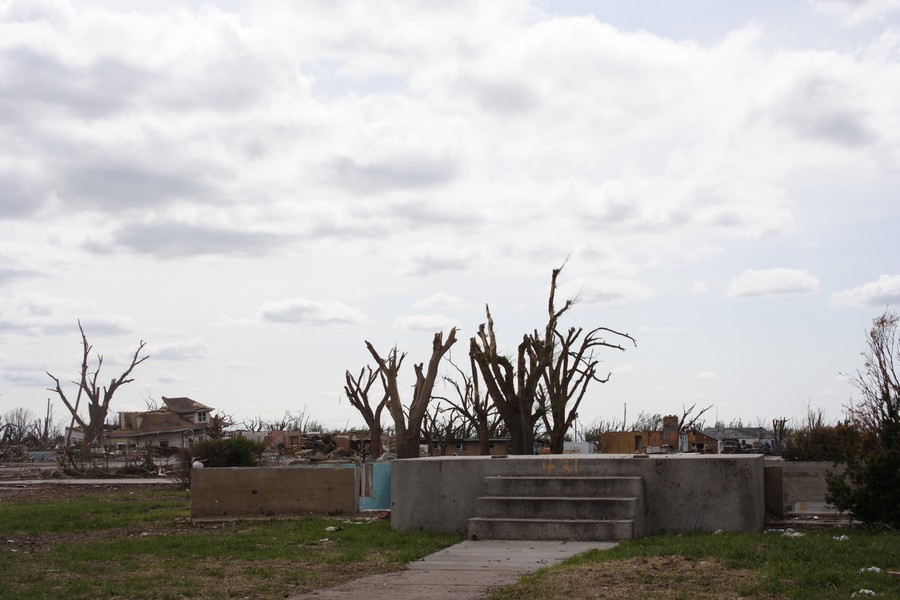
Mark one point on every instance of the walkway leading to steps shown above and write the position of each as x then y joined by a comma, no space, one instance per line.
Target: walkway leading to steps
466,571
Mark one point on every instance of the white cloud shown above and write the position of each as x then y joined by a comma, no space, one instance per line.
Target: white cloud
302,311
881,292
169,377
772,282
440,300
855,12
428,323
706,375
178,351
608,291
673,329
242,365
179,162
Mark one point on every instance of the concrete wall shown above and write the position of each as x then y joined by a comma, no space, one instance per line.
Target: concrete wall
263,492
376,486
797,486
682,493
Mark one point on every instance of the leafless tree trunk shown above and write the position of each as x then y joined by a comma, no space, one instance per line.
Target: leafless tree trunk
217,425
441,425
408,427
255,424
878,410
513,390
778,429
553,371
98,400
476,411
689,422
647,422
357,391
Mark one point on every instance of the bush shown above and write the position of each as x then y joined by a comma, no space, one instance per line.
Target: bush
232,452
870,487
832,443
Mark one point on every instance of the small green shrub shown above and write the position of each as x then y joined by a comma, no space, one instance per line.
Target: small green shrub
231,452
870,487
832,443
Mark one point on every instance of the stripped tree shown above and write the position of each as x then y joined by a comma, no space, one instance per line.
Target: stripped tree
97,399
357,390
552,373
476,410
408,425
690,421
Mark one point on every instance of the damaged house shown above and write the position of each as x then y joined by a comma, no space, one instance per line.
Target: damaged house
669,439
178,424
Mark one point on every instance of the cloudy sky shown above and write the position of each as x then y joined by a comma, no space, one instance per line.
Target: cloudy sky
256,188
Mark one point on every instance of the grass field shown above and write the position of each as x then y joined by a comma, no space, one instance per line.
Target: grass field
814,566
141,544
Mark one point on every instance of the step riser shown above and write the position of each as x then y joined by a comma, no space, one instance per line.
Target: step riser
563,486
484,529
557,508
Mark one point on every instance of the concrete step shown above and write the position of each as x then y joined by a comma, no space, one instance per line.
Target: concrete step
556,507
489,528
597,487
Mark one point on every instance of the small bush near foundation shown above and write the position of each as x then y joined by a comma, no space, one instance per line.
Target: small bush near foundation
232,452
870,487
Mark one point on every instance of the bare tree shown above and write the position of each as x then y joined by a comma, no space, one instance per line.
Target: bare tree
300,421
151,403
218,423
877,412
552,373
512,389
98,399
20,426
596,428
256,423
870,486
779,428
574,366
647,422
357,390
441,425
476,411
408,426
690,421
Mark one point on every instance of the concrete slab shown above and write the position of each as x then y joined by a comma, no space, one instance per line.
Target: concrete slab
466,571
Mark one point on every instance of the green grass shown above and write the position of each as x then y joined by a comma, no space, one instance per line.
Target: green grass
105,511
814,566
142,545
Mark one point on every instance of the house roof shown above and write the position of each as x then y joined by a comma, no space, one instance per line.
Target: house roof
722,433
183,405
161,421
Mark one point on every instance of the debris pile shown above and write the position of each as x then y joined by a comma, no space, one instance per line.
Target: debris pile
17,453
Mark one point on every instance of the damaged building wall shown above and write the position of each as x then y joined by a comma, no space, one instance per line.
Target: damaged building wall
241,492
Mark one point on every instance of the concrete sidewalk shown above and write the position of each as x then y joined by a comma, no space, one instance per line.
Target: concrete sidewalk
466,571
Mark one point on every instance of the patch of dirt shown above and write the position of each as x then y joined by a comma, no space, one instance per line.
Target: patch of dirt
648,577
11,490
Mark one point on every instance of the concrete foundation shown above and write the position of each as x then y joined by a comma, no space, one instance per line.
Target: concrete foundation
682,492
267,492
797,486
